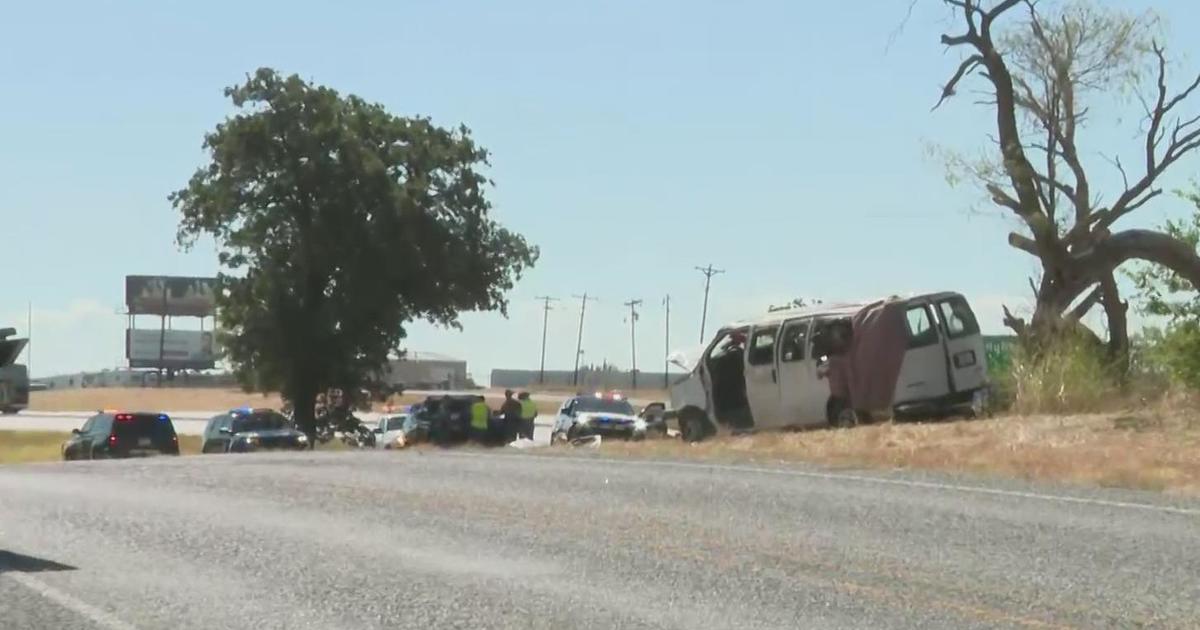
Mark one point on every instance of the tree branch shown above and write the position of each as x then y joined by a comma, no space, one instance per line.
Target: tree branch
1086,305
1184,139
1148,245
1023,243
968,64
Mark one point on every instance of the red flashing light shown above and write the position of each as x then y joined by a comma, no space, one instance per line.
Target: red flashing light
112,440
124,417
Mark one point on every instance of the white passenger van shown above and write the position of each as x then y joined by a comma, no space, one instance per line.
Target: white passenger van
835,364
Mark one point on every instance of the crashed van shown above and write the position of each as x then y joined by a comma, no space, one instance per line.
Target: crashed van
835,365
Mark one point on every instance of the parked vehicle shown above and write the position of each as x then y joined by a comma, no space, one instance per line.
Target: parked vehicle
835,364
390,428
14,378
607,415
448,419
121,434
247,430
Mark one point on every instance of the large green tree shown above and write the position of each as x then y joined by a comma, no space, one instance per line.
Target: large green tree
336,224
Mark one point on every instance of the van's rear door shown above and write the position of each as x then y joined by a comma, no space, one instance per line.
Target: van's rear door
964,344
923,373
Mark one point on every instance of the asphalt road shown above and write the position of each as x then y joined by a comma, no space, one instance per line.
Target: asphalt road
514,540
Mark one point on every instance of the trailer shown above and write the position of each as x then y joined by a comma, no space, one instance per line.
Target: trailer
14,378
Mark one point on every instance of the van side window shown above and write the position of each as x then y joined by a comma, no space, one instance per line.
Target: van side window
921,332
791,347
762,346
960,321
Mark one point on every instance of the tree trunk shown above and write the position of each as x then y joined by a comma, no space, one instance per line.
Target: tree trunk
304,400
1116,311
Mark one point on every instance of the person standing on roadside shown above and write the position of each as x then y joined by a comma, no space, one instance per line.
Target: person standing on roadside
528,415
480,415
511,410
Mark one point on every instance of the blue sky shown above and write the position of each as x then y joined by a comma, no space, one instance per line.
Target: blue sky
783,141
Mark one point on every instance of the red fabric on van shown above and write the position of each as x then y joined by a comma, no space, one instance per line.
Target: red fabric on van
876,352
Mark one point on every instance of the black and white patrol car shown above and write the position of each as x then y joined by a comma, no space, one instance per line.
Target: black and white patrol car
603,414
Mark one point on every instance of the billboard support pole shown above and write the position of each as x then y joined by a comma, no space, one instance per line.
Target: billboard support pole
162,336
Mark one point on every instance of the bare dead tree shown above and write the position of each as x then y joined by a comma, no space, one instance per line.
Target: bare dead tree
1040,75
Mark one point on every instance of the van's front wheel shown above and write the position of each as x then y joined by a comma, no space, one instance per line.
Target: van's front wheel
693,425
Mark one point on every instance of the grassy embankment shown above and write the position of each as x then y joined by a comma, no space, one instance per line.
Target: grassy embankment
21,447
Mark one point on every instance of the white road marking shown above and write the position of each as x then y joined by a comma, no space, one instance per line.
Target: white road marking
91,613
928,485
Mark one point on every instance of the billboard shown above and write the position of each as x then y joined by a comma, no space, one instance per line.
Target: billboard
180,349
173,296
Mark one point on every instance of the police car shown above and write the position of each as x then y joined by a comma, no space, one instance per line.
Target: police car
120,434
247,429
604,414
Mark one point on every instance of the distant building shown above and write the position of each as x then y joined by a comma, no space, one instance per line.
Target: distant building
590,378
126,377
428,370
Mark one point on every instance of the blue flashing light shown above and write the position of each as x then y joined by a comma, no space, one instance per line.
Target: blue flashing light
162,417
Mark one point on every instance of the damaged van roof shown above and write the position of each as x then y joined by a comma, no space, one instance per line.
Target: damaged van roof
849,308
835,310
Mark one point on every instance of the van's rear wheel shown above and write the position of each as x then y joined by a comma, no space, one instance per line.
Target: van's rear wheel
841,415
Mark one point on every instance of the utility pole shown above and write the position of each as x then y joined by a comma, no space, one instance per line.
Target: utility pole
583,300
546,300
633,316
667,346
708,272
29,341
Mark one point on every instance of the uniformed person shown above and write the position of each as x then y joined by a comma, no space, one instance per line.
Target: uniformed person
480,414
511,410
528,415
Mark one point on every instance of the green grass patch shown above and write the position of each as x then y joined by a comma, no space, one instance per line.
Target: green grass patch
23,447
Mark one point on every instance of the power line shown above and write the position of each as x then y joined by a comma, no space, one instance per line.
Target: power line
546,300
708,272
583,300
633,316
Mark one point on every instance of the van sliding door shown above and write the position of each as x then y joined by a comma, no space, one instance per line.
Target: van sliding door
803,396
762,377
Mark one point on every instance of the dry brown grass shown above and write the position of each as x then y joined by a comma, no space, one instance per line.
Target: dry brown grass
1155,448
147,399
22,447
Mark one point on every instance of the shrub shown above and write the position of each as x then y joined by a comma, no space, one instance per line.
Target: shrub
1068,375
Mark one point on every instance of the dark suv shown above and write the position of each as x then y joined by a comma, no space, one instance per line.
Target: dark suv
246,430
112,434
